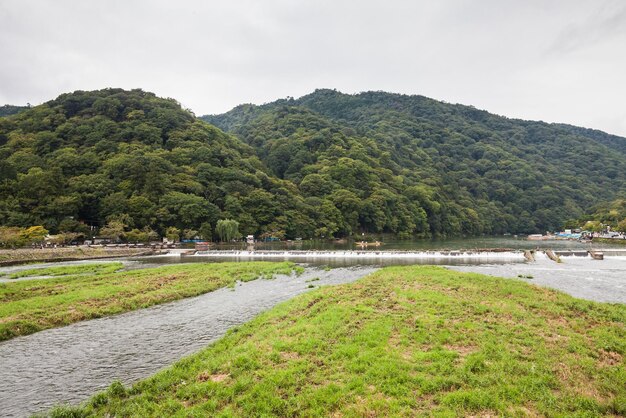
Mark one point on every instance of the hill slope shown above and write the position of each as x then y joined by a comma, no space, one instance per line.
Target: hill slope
468,170
130,156
8,110
327,164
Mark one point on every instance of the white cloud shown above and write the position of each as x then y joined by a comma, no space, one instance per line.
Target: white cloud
556,61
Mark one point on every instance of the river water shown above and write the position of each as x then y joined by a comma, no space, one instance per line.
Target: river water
390,243
71,363
582,277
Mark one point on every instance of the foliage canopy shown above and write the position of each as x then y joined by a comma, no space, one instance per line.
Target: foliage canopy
413,165
325,165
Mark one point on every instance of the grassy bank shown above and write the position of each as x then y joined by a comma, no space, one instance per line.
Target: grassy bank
404,341
28,255
33,305
86,269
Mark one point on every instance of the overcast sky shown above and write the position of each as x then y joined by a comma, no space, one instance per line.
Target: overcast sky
557,61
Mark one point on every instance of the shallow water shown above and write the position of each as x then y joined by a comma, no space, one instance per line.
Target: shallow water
7,270
582,277
71,363
391,243
342,258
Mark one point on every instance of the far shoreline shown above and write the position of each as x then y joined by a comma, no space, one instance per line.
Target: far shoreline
46,255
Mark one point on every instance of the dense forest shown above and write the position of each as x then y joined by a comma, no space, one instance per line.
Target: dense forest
611,214
128,157
396,158
325,165
8,110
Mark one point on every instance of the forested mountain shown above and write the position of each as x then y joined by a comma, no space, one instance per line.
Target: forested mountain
131,157
395,158
8,110
327,164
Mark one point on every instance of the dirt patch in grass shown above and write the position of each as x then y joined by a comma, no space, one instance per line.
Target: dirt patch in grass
217,378
461,350
609,358
289,355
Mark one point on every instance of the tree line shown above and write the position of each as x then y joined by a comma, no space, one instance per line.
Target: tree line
606,214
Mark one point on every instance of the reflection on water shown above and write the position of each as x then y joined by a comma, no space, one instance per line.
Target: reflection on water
390,243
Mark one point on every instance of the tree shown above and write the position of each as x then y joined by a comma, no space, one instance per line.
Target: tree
191,210
151,234
205,231
190,234
172,234
136,235
33,234
593,226
72,225
114,231
65,238
10,236
227,229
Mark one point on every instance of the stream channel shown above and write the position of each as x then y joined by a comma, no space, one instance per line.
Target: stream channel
69,364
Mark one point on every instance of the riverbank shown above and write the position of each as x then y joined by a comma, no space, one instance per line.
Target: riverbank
403,341
612,241
30,306
30,255
70,364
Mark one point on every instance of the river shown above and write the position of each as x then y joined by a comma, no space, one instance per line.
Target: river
582,277
390,243
71,363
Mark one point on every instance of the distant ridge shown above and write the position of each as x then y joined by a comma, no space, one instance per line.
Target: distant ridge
8,110
514,175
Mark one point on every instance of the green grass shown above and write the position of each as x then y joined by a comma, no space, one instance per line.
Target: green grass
405,341
33,305
85,269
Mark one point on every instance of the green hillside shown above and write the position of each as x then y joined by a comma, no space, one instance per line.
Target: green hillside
611,214
468,170
129,156
325,165
8,110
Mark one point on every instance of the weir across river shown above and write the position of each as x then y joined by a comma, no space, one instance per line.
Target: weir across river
496,254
